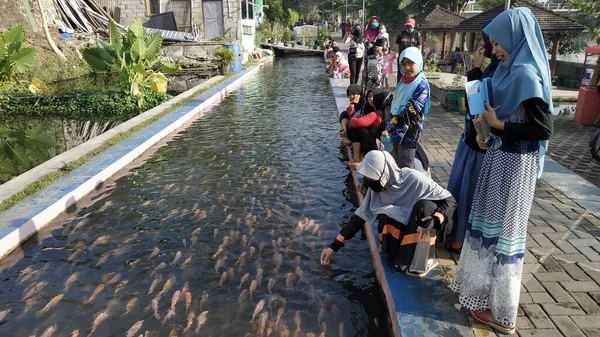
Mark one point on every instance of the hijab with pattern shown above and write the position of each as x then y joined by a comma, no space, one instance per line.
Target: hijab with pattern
403,187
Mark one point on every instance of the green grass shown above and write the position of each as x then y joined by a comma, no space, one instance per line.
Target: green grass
51,177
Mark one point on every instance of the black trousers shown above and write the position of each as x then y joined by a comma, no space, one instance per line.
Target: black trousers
355,65
366,137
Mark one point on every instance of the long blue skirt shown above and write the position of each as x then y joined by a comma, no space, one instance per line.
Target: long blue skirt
462,183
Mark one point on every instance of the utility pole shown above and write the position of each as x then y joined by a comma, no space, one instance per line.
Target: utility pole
346,12
507,5
362,17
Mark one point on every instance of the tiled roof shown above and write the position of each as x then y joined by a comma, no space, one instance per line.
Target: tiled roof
548,20
438,19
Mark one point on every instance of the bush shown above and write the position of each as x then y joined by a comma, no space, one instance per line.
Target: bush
287,35
224,55
77,105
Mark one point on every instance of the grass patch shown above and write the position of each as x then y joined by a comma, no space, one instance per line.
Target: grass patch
51,177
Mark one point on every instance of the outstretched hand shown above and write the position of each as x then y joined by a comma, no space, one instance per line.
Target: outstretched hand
326,256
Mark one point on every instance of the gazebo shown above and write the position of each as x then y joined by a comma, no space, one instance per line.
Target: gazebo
549,21
439,20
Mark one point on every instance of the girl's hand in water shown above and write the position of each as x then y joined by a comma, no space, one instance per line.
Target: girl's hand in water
491,117
326,256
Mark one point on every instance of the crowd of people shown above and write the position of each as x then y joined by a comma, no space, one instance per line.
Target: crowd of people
483,213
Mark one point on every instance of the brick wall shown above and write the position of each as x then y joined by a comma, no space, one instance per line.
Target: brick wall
130,9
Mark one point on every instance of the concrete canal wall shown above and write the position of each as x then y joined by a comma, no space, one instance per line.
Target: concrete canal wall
26,218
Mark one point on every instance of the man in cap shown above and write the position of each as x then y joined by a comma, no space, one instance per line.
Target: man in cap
408,38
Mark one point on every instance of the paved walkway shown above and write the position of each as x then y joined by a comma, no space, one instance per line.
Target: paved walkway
560,295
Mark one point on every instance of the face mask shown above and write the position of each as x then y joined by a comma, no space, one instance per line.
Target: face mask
375,25
375,186
408,27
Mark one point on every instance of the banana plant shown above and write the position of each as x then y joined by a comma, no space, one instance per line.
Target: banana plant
135,56
14,58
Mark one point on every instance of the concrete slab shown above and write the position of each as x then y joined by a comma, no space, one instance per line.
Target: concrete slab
29,216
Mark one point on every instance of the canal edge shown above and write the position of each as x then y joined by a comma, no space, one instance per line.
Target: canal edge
338,87
27,217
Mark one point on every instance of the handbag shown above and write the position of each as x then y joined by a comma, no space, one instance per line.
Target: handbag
421,256
481,126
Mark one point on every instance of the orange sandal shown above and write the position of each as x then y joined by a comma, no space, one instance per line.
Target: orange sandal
485,317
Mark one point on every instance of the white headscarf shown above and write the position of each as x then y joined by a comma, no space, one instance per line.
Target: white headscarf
342,60
403,187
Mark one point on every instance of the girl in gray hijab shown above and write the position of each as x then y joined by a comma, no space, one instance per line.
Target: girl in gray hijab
402,200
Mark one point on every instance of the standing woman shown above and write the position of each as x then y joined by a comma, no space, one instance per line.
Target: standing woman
372,29
469,155
488,276
356,51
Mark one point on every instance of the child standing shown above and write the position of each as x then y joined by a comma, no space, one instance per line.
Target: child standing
410,105
373,70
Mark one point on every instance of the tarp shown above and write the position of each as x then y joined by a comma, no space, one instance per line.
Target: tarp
307,30
593,50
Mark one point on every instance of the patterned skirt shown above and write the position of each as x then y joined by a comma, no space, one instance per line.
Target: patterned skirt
488,275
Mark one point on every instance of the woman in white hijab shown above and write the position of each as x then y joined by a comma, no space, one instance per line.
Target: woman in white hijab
402,200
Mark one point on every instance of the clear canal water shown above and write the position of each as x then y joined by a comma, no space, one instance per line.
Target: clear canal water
176,244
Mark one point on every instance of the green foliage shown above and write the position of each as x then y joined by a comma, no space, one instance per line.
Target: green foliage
587,14
458,80
222,38
22,148
14,58
570,43
287,35
275,11
486,5
224,55
292,17
77,105
324,35
135,56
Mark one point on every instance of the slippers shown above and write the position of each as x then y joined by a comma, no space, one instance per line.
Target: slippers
434,264
501,328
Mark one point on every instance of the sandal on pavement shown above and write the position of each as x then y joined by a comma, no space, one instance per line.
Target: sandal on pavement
429,268
491,322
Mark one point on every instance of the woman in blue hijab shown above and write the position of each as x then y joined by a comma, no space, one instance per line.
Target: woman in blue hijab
409,107
488,275
469,155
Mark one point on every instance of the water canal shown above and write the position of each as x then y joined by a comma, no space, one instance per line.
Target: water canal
165,247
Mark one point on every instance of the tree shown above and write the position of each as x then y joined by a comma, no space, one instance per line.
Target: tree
426,6
292,17
588,12
570,43
275,11
486,5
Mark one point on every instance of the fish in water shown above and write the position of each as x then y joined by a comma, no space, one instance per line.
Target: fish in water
253,286
289,281
215,232
154,283
241,261
168,285
49,331
196,231
174,301
161,266
227,239
135,328
270,285
298,260
103,259
99,241
176,259
259,306
204,298
219,251
186,287
187,261
37,288
259,275
243,296
154,305
261,246
51,304
188,300
130,305
341,329
279,314
184,244
277,260
244,240
262,323
311,334
70,281
190,321
220,263
244,279
313,246
101,317
98,289
230,273
201,320
75,333
223,278
297,321
114,279
320,315
252,250
4,313
299,273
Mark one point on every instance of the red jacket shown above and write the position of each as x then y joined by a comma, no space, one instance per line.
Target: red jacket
371,120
